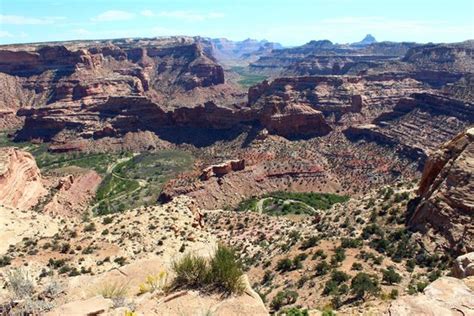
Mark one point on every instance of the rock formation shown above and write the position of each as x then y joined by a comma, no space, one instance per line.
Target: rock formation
73,194
20,179
446,205
445,296
417,124
222,169
464,266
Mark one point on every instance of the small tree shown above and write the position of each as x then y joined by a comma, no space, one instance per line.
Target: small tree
390,276
363,284
284,264
322,268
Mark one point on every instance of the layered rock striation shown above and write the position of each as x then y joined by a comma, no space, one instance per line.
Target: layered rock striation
20,180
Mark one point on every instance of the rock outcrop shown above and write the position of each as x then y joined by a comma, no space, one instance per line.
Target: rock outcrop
446,194
20,179
222,169
444,297
464,266
73,193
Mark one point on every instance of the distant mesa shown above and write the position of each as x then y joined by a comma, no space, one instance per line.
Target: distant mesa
368,39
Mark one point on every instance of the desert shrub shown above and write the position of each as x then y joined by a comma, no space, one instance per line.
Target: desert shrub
5,261
319,254
191,271
328,312
89,227
120,260
20,283
284,265
364,284
301,282
372,229
393,294
222,272
267,277
339,255
107,220
332,285
226,272
310,242
433,275
356,266
153,282
322,268
339,276
283,298
116,291
390,276
293,311
350,243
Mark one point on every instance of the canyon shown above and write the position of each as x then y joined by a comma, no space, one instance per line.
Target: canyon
119,158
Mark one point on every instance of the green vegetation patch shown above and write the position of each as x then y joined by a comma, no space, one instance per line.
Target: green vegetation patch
285,203
48,161
248,79
139,180
321,201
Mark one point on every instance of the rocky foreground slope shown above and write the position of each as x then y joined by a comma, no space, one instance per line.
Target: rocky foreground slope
103,265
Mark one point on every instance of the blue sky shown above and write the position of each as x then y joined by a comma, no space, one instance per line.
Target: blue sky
291,22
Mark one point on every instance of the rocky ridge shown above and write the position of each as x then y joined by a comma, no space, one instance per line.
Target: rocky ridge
446,202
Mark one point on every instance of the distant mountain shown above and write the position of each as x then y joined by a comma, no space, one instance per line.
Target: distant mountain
368,39
224,49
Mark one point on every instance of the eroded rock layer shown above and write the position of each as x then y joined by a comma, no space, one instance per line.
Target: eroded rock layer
20,179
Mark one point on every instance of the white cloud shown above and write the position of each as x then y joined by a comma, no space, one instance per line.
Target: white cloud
24,20
113,15
5,34
190,16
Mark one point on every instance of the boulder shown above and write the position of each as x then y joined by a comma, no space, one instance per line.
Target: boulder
93,306
446,296
464,266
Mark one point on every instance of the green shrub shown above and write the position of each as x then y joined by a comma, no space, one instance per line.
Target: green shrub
339,255
322,268
328,312
364,284
293,311
284,265
390,276
309,243
394,294
283,298
351,243
5,261
356,266
225,272
339,276
221,273
191,271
